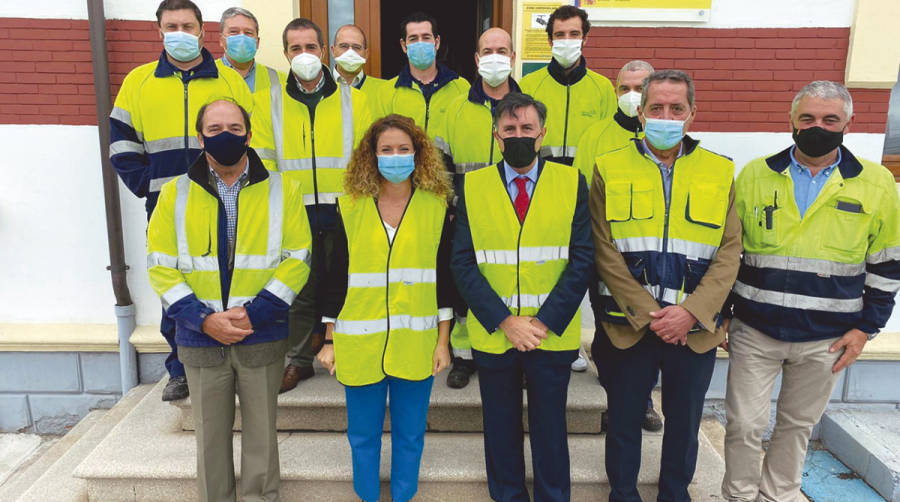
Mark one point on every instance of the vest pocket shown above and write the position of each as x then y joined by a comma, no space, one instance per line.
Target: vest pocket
625,201
848,228
706,206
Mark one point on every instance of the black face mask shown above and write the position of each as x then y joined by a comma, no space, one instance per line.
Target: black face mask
519,152
816,141
225,147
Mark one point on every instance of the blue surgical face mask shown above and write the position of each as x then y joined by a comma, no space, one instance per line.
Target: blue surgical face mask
664,134
241,48
181,46
420,54
396,168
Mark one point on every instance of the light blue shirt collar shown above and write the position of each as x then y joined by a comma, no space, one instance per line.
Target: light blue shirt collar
800,168
511,176
250,79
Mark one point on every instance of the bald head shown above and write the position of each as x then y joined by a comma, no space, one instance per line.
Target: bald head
495,41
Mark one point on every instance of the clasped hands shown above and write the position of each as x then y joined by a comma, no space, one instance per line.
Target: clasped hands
672,324
228,327
524,332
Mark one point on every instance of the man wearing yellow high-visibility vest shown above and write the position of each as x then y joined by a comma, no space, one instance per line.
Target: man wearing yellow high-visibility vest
668,243
227,251
522,258
349,51
240,40
820,271
308,133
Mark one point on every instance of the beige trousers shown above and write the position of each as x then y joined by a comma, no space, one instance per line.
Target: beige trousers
212,399
754,361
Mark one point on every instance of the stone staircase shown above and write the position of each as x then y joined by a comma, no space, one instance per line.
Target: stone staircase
149,455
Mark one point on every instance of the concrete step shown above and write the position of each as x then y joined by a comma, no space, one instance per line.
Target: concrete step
318,404
50,478
149,458
866,439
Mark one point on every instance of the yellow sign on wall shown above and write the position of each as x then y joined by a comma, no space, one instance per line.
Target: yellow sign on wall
647,10
645,4
533,20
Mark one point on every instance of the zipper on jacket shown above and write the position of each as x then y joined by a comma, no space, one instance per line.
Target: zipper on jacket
491,158
566,128
665,243
312,143
187,150
387,272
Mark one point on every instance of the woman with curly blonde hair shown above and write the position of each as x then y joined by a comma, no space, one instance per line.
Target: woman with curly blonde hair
388,302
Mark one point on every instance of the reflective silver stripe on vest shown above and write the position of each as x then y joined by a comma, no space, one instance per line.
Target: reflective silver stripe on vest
558,151
347,124
408,276
182,189
276,110
125,146
796,301
673,296
175,143
309,199
810,265
638,244
158,259
239,301
882,283
886,254
527,301
157,184
122,115
465,167
204,263
252,262
266,153
307,164
526,254
175,293
281,290
215,305
276,208
297,254
442,145
346,327
693,250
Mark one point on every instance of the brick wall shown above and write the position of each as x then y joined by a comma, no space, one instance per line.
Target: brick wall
745,78
47,75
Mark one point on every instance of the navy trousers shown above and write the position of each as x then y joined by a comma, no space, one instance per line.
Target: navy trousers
167,328
500,379
629,376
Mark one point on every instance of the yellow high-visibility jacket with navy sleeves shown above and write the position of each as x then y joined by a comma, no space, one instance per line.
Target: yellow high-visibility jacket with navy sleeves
312,144
388,324
574,102
538,268
153,137
603,137
823,274
194,271
652,253
427,104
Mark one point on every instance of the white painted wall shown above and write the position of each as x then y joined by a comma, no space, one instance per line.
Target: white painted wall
115,9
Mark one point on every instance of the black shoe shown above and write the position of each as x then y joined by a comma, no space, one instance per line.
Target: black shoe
176,389
460,374
652,422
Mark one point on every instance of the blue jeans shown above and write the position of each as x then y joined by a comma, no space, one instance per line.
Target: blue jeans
365,423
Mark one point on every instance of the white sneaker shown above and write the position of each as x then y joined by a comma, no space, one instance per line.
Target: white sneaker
580,364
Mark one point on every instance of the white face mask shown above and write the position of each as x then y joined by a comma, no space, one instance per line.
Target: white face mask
306,66
629,103
350,61
494,68
566,52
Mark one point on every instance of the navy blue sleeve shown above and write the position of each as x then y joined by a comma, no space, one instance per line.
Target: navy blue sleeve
565,298
446,292
190,312
128,158
878,296
267,309
488,308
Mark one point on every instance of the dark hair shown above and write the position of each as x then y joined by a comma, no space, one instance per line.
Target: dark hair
202,112
568,12
515,101
418,17
302,23
177,5
352,26
676,76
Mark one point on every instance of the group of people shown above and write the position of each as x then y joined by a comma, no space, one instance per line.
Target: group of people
393,227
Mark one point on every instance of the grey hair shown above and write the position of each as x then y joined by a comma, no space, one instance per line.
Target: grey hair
824,89
634,65
671,76
515,101
237,11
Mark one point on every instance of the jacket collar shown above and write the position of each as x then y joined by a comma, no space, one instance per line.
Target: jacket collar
632,124
477,95
502,170
199,171
444,76
328,87
206,69
849,167
559,73
689,144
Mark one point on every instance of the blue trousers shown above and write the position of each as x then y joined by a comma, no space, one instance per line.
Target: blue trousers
629,375
500,381
167,328
365,423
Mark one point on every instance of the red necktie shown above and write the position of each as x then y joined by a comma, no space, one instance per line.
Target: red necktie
522,199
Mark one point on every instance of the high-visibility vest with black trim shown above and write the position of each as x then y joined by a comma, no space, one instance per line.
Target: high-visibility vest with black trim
468,136
271,250
667,249
410,102
600,138
316,156
389,322
522,261
571,109
804,278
